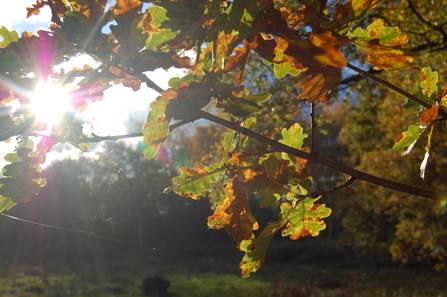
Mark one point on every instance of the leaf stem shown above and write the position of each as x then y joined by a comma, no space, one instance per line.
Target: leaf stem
354,173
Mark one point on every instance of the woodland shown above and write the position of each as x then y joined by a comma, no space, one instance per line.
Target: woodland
291,120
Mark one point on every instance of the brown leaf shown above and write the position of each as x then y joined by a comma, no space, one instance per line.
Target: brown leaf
238,61
320,86
264,48
429,115
234,213
168,94
129,83
383,57
124,6
328,48
36,8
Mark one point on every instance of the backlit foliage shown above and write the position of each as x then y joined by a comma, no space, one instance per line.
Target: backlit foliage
210,41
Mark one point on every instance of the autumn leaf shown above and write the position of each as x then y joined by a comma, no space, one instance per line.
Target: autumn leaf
255,249
124,6
408,138
429,115
429,81
22,176
35,9
317,57
234,213
346,14
238,60
192,183
270,186
385,46
151,23
305,219
242,106
156,128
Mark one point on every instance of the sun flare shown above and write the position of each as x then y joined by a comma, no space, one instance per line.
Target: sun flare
48,102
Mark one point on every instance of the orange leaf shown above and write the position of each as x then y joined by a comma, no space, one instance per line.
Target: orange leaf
321,85
429,115
124,6
168,94
234,213
238,61
36,8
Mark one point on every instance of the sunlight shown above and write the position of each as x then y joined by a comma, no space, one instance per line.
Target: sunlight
48,102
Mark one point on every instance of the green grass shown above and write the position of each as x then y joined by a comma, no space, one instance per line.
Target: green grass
306,280
217,285
310,269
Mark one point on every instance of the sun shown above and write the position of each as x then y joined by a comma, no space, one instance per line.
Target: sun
49,101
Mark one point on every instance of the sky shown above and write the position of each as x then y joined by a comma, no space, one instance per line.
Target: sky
119,102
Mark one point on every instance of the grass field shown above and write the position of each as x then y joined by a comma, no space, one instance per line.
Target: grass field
313,268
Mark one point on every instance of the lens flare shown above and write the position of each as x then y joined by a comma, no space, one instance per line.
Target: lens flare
49,101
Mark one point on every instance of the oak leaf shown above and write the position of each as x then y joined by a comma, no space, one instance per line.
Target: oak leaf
429,115
305,219
385,46
234,213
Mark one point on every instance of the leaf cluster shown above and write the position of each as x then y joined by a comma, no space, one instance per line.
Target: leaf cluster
211,41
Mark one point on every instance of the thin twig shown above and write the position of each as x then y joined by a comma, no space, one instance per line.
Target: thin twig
346,184
313,128
97,138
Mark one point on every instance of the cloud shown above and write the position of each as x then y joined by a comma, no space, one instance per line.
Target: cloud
13,15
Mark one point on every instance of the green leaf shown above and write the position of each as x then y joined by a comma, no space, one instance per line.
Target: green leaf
285,67
412,104
408,138
294,136
229,143
429,81
8,36
156,128
6,203
305,219
243,106
176,81
387,36
192,183
255,249
22,176
152,23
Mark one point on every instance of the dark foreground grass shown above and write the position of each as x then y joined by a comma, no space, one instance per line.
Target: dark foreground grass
309,281
310,269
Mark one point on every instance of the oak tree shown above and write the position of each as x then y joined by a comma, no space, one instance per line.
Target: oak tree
212,41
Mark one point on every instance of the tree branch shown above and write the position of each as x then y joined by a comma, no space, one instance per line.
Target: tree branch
394,88
313,127
356,174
